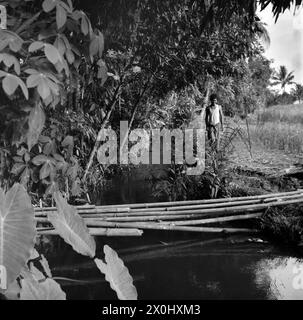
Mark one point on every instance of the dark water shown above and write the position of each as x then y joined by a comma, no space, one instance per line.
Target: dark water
183,267
175,265
134,186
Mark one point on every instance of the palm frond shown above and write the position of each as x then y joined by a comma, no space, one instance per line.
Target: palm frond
261,32
275,83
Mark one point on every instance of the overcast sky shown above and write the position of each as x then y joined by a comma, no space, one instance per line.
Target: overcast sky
286,40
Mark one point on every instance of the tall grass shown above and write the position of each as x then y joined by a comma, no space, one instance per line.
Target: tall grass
292,114
280,127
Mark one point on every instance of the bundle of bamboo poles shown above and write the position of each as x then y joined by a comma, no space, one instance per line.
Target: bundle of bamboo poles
192,216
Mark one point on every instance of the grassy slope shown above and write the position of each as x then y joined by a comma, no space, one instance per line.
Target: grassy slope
277,137
280,127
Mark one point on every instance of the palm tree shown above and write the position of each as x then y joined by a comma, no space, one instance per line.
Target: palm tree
259,29
283,78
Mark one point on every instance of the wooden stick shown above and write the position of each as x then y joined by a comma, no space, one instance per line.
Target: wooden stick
228,210
108,232
236,209
104,225
220,204
144,218
92,209
54,208
215,220
162,211
93,221
172,217
132,219
117,208
162,226
188,202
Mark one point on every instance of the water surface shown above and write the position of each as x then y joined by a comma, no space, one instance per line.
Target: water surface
169,267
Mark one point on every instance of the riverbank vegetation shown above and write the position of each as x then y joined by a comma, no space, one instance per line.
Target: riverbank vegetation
284,225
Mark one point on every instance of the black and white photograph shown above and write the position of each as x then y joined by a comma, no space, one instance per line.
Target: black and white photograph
151,150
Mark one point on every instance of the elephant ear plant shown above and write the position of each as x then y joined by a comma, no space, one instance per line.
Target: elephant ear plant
20,277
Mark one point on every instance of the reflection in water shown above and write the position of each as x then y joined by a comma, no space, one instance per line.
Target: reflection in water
281,276
190,268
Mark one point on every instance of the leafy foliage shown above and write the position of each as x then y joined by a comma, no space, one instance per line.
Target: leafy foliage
18,256
33,289
61,83
117,275
242,94
284,224
297,92
17,230
76,83
41,56
72,228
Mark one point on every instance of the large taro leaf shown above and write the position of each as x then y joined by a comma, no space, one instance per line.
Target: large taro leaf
117,274
71,227
17,230
45,266
13,291
36,122
47,289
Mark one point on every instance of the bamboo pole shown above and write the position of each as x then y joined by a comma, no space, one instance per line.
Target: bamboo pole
121,207
162,226
144,218
221,204
185,217
154,226
129,219
83,210
216,220
235,209
135,218
108,232
54,208
228,210
188,202
105,228
124,224
178,210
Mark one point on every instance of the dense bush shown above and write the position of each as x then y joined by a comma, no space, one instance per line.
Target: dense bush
59,89
48,48
284,225
280,99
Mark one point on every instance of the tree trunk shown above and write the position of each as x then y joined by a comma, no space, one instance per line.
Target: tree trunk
104,124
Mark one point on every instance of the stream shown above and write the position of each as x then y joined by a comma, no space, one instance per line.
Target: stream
166,266
177,265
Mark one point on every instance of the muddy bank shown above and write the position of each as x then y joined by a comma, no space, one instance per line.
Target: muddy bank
243,181
281,225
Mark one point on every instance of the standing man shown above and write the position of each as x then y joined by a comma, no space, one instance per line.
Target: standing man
214,122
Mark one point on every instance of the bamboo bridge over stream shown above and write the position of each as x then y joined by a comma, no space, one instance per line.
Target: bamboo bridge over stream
200,216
